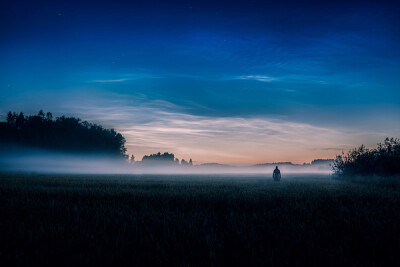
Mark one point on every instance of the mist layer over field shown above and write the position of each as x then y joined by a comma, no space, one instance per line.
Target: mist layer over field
40,161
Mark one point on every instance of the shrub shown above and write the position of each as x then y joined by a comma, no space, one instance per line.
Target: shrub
381,161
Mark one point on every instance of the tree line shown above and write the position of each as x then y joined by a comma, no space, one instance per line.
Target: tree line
67,134
70,134
162,158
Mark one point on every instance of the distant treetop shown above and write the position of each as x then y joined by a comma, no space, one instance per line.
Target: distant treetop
162,158
322,161
165,158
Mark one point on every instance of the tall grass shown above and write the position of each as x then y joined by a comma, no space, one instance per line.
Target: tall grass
76,220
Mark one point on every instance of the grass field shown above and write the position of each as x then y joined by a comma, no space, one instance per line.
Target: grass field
196,220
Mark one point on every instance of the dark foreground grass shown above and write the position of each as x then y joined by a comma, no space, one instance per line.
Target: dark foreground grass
202,220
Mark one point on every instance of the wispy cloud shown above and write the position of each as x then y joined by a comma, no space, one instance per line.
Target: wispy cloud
261,78
126,77
110,81
150,126
154,126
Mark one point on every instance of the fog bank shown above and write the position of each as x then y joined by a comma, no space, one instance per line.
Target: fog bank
39,161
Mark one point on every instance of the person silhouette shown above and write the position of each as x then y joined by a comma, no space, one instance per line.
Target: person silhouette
276,174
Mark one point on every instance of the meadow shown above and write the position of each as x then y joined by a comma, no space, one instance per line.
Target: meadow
197,220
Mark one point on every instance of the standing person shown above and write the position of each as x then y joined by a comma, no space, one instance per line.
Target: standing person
276,174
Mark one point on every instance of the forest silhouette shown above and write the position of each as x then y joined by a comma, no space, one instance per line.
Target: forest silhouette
65,134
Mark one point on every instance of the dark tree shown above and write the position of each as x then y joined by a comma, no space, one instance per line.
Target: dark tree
41,113
49,116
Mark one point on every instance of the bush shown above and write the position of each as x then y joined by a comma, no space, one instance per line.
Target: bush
381,161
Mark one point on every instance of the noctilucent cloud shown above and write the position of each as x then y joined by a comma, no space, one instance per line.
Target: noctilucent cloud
236,82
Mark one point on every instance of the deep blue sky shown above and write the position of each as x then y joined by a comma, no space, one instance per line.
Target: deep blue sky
177,75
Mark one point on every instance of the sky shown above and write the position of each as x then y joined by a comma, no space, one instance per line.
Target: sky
234,82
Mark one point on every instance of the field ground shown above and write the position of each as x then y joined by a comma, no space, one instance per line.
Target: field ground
196,220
